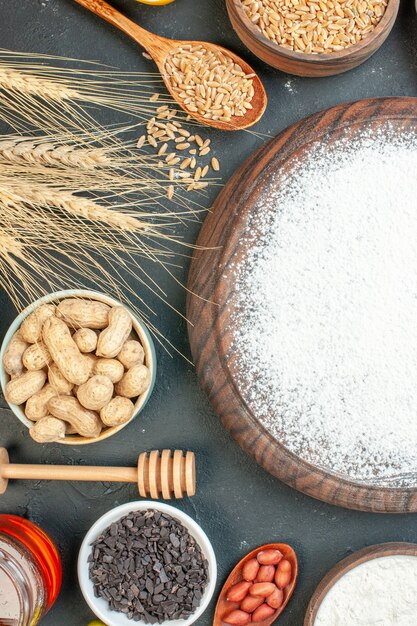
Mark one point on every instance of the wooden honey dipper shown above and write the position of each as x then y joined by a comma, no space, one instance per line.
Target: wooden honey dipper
156,474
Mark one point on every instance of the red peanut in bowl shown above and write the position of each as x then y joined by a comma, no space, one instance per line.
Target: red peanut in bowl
259,587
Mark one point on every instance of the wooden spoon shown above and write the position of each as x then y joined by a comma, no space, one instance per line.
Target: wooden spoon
159,47
223,606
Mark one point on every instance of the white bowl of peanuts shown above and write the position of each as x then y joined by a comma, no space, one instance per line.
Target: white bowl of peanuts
76,367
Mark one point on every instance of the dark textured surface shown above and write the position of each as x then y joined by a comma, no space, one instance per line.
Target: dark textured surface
238,504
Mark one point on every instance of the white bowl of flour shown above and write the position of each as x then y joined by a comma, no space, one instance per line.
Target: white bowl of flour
376,586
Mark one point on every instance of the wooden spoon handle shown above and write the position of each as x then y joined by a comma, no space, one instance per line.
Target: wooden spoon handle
154,44
70,472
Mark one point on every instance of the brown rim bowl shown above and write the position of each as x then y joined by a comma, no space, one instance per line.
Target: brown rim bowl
346,565
138,326
310,65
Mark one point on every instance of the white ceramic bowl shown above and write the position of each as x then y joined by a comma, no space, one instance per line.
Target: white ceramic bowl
139,327
99,605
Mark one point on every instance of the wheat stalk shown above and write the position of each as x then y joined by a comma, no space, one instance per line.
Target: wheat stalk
136,230
47,153
84,208
9,246
30,76
29,84
78,205
44,252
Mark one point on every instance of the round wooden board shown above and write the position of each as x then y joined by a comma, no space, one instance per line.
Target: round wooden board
207,310
349,563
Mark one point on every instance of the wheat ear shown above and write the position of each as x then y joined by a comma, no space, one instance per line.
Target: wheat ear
47,153
29,84
84,208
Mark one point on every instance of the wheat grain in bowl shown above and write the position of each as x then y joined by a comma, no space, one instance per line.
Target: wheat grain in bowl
209,82
77,366
313,27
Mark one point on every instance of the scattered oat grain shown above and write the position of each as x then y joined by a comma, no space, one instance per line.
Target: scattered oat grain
215,164
185,164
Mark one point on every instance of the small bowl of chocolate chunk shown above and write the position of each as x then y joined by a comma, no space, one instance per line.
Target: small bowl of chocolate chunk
147,562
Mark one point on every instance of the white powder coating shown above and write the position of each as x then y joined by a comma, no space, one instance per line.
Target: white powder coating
325,317
381,592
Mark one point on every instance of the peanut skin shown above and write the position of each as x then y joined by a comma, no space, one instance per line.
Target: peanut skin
73,365
111,368
92,360
283,574
262,613
86,339
12,357
237,618
36,356
250,569
118,411
131,353
266,574
95,393
112,338
135,382
31,328
269,557
22,388
262,590
70,430
58,380
238,591
48,429
86,423
37,405
80,313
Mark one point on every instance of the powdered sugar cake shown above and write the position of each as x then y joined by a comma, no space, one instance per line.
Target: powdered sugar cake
310,356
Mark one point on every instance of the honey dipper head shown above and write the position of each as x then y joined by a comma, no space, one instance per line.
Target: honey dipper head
166,474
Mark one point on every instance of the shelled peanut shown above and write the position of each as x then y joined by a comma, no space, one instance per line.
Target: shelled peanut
261,592
75,368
